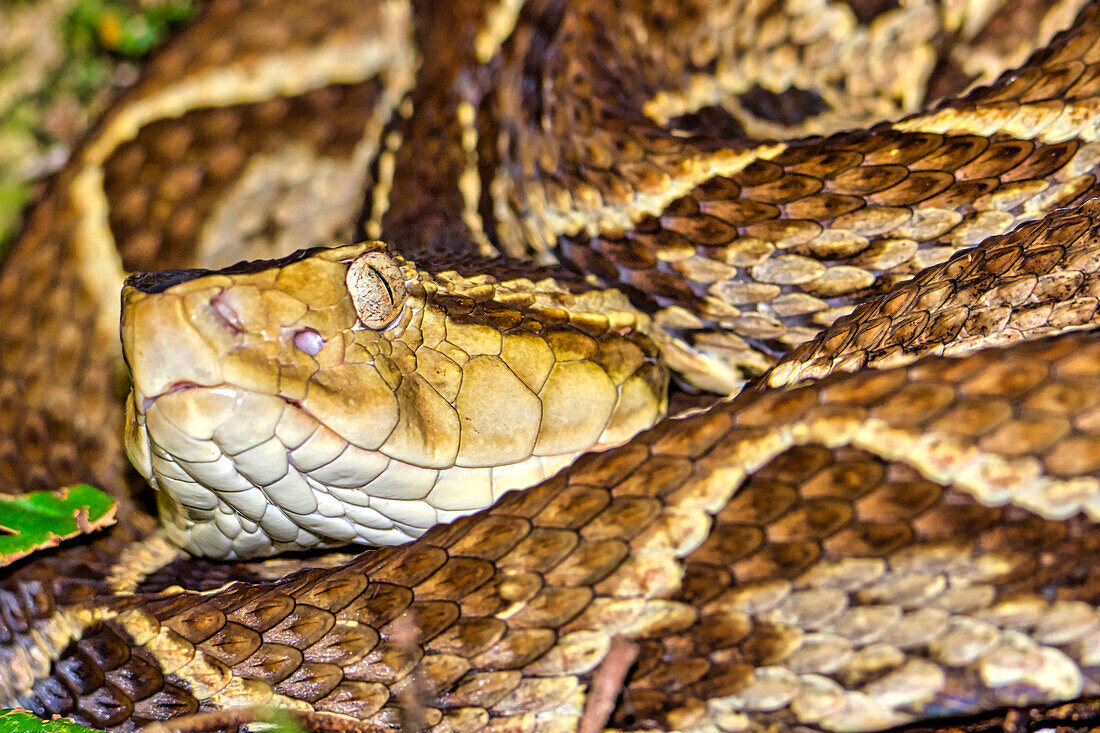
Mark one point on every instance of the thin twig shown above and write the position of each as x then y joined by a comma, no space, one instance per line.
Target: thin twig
607,683
218,720
414,695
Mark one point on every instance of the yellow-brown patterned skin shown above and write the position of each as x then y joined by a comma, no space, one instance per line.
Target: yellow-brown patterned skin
851,554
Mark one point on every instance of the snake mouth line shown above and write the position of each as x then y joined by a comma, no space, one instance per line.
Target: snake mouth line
187,385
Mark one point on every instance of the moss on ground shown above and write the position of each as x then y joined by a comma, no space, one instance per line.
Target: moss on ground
61,61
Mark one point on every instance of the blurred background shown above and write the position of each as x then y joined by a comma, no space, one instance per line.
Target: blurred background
61,61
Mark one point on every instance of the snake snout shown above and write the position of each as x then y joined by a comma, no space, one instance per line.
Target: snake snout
167,347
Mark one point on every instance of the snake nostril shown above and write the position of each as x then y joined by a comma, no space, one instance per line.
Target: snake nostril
309,341
226,313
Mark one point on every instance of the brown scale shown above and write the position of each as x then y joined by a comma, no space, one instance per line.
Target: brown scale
808,189
609,94
561,558
1042,278
459,586
51,440
110,682
242,31
724,221
1063,73
424,209
813,504
61,379
1010,29
163,185
60,388
59,417
1076,717
195,574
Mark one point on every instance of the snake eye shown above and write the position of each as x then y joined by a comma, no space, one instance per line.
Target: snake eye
377,288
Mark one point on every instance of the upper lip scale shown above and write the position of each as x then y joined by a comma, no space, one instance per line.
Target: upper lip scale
184,385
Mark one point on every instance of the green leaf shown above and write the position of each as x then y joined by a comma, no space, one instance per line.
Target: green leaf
17,721
274,720
12,197
283,722
29,522
124,27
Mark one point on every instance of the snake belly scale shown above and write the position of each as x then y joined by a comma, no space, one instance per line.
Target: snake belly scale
572,201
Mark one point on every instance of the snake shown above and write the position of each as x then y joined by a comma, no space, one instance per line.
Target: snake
430,277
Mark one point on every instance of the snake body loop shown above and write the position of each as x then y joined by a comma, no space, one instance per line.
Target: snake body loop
474,241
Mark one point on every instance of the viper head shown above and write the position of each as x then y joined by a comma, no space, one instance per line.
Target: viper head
346,395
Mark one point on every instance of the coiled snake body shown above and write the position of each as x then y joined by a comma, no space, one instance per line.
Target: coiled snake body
576,199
